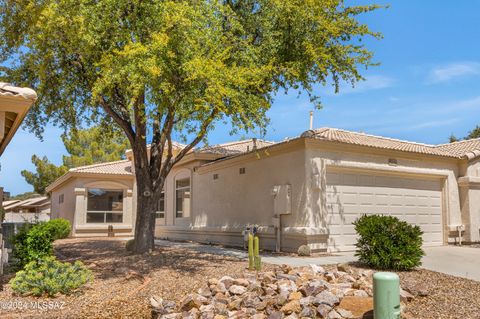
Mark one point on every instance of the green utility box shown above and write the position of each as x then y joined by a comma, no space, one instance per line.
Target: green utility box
386,295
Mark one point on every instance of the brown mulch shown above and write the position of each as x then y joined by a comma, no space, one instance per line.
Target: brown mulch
124,284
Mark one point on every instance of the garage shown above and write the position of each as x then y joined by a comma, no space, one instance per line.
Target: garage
351,194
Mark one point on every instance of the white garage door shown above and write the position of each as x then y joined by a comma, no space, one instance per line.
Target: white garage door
350,195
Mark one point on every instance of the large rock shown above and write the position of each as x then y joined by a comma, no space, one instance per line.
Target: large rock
360,307
326,297
237,290
291,306
192,301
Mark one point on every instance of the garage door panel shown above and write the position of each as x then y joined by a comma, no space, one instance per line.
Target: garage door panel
351,195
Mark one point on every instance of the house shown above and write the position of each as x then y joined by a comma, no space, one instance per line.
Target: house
31,210
14,105
304,190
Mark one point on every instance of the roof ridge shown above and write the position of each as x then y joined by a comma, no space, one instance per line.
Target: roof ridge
74,169
380,137
459,142
238,142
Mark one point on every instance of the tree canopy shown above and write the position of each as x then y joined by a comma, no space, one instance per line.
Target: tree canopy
475,133
85,147
159,68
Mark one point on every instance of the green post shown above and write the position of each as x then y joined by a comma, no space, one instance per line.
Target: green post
251,261
386,296
258,261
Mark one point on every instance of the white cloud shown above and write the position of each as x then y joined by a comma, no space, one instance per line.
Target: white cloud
453,71
372,82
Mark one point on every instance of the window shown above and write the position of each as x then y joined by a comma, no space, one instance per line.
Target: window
242,170
182,196
160,213
60,199
104,206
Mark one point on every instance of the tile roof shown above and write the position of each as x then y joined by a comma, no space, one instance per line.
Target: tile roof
234,148
362,139
467,148
31,202
7,89
123,167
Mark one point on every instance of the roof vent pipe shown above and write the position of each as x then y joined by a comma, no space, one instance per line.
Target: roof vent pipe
311,120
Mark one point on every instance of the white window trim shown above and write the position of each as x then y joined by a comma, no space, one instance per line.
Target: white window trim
123,212
181,177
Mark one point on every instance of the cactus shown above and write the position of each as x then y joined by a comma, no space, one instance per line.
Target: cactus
251,262
258,261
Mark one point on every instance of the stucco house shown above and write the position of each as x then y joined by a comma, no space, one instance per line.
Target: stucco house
30,210
304,190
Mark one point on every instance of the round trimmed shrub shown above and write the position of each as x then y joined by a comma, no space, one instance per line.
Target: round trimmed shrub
58,227
48,276
304,250
387,243
129,245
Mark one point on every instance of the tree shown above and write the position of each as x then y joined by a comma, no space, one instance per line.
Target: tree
85,147
45,173
93,145
475,133
157,68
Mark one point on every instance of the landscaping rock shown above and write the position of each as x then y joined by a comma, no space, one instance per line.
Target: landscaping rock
237,290
328,298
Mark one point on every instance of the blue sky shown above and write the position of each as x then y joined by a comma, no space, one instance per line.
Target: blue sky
426,88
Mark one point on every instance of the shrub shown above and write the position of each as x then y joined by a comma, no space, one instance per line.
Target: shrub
130,244
58,227
385,242
31,242
50,276
303,250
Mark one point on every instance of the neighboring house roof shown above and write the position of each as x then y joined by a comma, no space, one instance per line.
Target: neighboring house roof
9,202
234,148
28,203
117,168
14,105
468,148
362,139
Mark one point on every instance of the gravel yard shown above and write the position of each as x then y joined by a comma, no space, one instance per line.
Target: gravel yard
124,284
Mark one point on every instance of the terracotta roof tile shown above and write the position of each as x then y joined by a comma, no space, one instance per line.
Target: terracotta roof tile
7,89
123,167
362,139
234,148
468,148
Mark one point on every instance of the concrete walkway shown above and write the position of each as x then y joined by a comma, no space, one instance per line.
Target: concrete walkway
457,261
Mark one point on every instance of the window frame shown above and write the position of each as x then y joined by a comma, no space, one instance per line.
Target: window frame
105,213
182,188
158,213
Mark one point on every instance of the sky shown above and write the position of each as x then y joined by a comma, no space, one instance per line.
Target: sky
426,87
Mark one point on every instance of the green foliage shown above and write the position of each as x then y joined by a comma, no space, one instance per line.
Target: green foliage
385,242
86,147
130,244
475,133
166,68
31,243
36,241
93,145
46,173
58,228
47,276
24,196
304,250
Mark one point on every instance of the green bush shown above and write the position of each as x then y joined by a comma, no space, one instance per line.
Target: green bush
130,244
36,241
385,242
49,276
58,227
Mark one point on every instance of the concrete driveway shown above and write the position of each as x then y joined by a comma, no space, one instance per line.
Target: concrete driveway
453,260
457,261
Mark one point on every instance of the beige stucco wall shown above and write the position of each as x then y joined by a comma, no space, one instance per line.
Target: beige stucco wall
222,207
75,204
321,156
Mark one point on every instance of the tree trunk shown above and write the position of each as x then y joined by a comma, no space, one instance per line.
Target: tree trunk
147,200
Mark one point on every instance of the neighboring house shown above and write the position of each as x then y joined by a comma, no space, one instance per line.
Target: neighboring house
14,105
305,190
31,210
